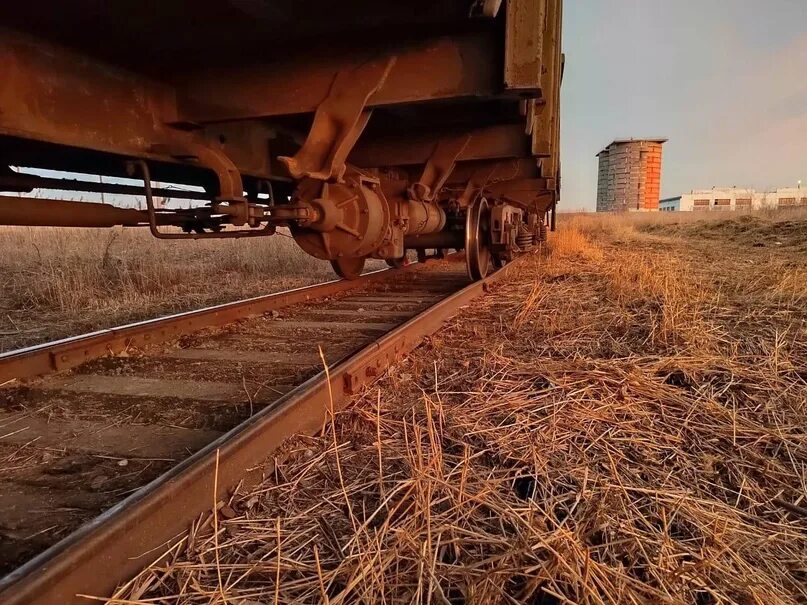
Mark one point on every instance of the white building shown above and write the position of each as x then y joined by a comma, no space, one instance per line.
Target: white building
734,198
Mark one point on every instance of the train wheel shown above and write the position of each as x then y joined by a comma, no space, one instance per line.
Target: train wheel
477,239
348,268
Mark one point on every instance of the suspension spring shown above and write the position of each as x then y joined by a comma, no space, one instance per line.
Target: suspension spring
524,239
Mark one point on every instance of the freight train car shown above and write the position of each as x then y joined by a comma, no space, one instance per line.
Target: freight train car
367,128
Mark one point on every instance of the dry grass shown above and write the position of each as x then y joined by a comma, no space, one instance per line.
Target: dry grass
615,224
621,425
59,282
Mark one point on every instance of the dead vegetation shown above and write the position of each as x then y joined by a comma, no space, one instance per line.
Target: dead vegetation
61,282
625,424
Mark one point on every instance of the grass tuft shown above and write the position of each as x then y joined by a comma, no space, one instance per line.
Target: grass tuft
59,282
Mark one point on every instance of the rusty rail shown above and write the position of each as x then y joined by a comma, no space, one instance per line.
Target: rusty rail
124,539
71,352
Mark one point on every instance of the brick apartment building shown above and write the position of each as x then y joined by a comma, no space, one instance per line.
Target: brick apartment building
630,176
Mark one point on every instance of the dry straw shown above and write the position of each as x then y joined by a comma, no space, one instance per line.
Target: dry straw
612,428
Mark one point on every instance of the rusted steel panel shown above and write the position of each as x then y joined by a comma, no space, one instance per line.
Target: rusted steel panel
524,45
546,110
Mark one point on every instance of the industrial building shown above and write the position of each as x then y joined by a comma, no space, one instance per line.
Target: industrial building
733,198
630,175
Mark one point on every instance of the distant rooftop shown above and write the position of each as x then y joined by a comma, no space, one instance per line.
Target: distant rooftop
623,141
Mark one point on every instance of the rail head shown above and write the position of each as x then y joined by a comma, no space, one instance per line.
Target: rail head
67,353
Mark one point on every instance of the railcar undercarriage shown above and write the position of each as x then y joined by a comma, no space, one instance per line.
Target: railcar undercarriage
367,133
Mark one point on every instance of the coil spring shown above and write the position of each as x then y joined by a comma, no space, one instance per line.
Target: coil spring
524,239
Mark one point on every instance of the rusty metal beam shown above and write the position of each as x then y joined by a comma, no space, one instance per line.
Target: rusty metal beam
493,171
448,67
52,94
31,212
523,191
508,141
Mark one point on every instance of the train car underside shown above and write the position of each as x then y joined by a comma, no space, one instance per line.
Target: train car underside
366,128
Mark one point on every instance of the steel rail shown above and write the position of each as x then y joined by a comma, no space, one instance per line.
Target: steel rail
115,546
68,353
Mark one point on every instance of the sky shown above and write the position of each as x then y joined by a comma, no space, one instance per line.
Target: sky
724,80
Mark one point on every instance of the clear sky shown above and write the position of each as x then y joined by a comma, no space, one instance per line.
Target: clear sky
724,80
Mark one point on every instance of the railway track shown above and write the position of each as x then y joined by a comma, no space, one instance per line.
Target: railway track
122,443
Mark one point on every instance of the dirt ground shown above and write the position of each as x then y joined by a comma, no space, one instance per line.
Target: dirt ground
625,423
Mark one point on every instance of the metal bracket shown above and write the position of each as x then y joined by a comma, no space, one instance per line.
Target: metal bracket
338,122
145,173
439,167
478,181
231,187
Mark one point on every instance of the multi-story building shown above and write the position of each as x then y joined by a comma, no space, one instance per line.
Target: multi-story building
630,175
733,198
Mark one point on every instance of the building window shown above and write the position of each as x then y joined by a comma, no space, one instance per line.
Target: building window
701,204
723,204
803,201
743,202
787,201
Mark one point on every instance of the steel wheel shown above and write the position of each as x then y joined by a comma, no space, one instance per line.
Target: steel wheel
347,267
477,239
